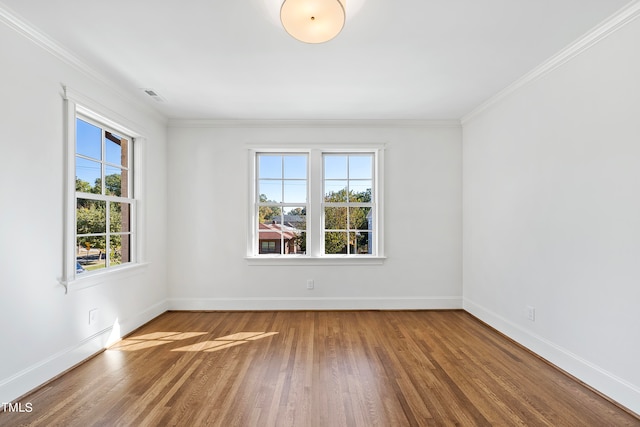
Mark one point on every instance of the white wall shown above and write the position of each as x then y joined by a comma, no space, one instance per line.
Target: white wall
208,188
44,330
552,215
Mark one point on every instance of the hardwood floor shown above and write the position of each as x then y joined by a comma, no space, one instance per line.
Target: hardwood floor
361,368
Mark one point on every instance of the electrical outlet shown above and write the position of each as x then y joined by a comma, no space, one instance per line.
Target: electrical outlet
310,284
531,313
93,316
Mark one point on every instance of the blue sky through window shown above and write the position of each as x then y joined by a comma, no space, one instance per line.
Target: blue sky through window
347,171
88,140
283,178
89,144
354,166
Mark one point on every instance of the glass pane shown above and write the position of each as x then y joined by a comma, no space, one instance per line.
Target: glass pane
88,176
359,191
88,140
269,215
360,219
359,243
116,182
361,166
269,239
90,253
296,218
90,216
293,230
335,191
295,167
299,245
295,191
119,217
335,243
290,241
335,218
117,149
267,247
79,267
120,249
269,166
270,191
335,167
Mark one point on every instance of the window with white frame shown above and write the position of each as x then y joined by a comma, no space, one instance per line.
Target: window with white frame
281,203
349,201
316,203
104,202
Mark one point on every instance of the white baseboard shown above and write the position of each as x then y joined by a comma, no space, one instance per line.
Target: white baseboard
34,376
318,303
616,388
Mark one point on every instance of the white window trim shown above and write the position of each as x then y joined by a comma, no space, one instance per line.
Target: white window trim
315,255
77,104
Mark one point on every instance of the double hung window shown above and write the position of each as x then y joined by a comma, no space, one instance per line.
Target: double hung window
348,208
316,203
105,207
103,185
282,203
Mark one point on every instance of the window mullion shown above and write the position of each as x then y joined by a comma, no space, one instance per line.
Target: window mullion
107,236
281,205
103,167
315,232
348,195
348,225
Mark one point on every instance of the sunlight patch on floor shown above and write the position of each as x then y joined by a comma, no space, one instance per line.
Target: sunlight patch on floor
154,339
140,342
226,341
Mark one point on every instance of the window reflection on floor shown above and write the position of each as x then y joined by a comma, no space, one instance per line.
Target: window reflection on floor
155,339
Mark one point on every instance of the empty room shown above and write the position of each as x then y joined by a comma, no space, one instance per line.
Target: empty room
320,213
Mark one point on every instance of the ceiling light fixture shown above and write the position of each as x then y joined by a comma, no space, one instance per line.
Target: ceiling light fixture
313,21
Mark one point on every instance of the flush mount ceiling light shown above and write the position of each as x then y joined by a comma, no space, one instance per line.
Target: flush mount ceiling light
313,21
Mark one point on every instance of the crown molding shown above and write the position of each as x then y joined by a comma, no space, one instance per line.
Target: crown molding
211,123
12,20
609,26
21,26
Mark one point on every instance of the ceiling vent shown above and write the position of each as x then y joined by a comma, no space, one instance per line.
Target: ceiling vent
154,95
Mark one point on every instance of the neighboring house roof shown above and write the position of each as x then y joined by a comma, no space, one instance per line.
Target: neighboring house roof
294,219
290,220
273,231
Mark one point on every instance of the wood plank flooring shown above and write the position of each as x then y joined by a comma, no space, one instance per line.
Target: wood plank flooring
361,368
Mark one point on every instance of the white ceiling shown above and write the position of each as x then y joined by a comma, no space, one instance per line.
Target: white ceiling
395,59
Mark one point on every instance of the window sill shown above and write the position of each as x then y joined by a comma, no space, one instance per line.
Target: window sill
87,280
288,260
